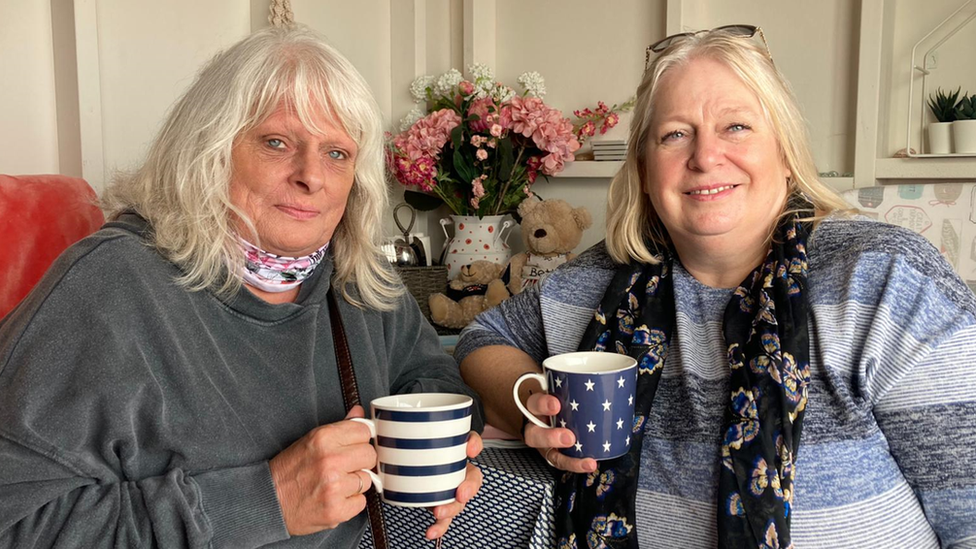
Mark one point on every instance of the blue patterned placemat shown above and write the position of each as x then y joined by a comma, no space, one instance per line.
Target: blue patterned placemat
513,510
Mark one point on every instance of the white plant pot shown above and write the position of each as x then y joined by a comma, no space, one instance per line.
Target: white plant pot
964,136
940,138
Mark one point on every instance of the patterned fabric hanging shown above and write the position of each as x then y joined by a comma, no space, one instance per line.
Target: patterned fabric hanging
281,15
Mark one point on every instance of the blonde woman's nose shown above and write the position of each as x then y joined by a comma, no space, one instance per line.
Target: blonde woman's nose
707,152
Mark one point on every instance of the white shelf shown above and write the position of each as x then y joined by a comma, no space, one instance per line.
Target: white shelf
926,168
839,184
591,168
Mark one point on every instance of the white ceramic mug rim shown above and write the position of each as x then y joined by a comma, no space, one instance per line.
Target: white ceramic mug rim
575,369
380,404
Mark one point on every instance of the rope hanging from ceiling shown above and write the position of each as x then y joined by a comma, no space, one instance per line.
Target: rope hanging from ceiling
281,15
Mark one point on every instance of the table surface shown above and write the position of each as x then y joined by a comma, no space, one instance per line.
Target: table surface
514,508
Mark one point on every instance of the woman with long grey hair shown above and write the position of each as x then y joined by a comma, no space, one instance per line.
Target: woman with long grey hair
173,379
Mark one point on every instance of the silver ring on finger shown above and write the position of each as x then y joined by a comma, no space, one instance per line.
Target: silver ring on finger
546,457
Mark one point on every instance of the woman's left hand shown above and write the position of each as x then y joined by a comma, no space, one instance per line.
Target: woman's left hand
444,514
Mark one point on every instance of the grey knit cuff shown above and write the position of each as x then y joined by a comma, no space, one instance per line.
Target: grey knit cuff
242,506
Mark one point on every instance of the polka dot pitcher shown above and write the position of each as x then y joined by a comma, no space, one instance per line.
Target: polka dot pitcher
474,239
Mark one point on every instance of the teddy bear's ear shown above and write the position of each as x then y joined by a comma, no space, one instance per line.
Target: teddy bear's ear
582,217
527,206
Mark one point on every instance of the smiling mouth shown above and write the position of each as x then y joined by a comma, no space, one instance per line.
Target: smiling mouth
298,212
713,190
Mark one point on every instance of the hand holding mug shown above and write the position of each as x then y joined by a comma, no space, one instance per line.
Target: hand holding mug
548,440
423,442
318,478
595,393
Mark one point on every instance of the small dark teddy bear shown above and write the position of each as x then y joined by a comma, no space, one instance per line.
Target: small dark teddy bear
476,288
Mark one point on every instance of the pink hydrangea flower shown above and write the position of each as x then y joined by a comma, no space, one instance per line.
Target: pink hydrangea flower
483,109
421,173
428,135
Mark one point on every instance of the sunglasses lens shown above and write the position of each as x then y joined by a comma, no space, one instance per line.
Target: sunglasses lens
739,30
742,31
662,45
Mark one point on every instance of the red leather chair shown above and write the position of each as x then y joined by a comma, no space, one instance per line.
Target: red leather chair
40,216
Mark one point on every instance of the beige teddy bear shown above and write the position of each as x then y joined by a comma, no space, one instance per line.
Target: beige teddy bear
476,288
551,229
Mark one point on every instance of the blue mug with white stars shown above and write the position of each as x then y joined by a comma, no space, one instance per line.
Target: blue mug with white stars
596,394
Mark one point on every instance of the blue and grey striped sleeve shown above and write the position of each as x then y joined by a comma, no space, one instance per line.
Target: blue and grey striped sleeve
924,389
516,322
915,365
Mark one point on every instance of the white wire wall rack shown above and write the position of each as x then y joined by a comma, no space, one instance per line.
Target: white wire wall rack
965,14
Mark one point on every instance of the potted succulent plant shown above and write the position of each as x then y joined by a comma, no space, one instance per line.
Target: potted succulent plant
964,126
943,107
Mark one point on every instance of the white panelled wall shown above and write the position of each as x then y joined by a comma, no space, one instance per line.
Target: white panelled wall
84,84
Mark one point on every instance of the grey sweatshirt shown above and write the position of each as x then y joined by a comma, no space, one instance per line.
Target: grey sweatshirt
135,413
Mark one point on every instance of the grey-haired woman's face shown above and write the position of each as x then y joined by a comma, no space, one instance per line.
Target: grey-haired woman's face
292,183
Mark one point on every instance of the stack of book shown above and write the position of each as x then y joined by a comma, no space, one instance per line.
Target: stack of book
609,150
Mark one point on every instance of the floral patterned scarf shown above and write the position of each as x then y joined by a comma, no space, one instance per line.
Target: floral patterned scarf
765,328
277,273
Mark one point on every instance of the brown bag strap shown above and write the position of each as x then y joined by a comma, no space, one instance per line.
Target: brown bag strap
350,397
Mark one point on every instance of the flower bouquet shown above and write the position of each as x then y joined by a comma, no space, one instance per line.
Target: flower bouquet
478,146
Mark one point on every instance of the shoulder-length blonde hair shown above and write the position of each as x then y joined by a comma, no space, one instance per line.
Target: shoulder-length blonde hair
183,188
632,222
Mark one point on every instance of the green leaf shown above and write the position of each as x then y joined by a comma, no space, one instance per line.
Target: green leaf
456,134
421,201
506,159
464,167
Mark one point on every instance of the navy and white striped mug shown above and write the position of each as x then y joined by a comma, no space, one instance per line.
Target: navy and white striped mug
421,444
596,394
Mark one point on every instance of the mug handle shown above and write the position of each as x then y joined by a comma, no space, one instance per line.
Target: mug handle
372,434
518,402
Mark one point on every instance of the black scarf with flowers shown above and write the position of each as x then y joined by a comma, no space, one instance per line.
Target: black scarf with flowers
765,327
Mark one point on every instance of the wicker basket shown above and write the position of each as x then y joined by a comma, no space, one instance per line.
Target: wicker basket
423,281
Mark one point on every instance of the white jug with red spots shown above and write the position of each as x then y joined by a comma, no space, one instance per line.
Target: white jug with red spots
474,239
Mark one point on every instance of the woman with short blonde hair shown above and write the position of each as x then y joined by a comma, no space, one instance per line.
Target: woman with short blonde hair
630,215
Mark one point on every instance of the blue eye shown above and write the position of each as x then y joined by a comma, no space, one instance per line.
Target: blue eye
337,155
671,136
276,143
738,127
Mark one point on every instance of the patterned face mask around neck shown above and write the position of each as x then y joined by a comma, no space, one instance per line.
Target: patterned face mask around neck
274,273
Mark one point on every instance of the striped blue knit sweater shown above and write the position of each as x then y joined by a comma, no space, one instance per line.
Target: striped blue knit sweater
888,452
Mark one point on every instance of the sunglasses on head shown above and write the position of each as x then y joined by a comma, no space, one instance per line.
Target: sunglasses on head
739,31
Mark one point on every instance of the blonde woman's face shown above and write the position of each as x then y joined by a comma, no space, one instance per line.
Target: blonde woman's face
293,184
714,170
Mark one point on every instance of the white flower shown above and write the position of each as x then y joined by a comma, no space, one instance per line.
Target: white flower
481,73
447,82
533,84
414,115
418,88
502,93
